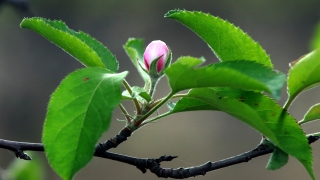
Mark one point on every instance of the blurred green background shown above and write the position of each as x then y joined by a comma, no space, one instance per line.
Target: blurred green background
31,68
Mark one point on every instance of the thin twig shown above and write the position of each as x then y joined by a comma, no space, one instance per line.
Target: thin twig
154,164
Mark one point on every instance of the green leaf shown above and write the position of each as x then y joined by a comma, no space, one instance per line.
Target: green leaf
134,49
191,104
258,111
79,112
304,75
25,170
277,159
312,114
227,41
81,46
315,40
136,92
248,75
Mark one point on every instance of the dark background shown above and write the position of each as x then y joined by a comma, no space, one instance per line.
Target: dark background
31,68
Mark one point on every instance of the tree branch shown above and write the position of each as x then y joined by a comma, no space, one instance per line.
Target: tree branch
152,164
182,173
115,141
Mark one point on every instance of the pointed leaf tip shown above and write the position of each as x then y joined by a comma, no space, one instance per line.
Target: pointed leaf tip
170,12
81,46
227,41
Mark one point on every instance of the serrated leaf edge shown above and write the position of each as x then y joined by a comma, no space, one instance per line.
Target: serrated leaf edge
69,32
178,11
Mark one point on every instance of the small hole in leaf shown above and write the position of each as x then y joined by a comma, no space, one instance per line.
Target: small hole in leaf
85,79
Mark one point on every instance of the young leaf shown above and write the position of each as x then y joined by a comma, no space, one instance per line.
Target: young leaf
79,112
24,170
227,41
312,114
136,92
277,159
81,46
315,41
134,49
248,75
303,75
258,111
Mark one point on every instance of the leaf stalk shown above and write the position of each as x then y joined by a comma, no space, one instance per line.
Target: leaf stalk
135,101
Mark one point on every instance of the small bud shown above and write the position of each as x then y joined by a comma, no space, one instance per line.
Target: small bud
156,50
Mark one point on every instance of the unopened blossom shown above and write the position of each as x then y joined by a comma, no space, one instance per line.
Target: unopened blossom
156,49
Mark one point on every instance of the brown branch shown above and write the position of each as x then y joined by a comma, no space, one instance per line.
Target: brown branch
152,164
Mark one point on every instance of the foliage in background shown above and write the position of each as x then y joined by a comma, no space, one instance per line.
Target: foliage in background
25,170
315,41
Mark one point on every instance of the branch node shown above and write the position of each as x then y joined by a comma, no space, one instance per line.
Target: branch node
248,158
261,147
115,141
312,138
165,158
142,165
22,155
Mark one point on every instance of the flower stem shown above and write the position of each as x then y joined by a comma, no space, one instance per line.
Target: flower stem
154,82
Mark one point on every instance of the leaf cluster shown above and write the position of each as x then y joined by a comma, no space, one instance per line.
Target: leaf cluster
80,109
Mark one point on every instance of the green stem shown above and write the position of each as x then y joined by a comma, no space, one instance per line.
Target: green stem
300,122
174,96
149,113
154,82
164,114
179,96
125,112
288,103
156,118
135,101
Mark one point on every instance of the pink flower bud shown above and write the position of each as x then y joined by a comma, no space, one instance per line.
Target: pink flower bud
155,50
